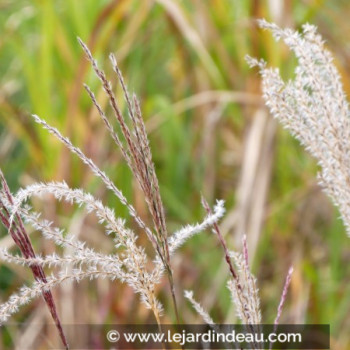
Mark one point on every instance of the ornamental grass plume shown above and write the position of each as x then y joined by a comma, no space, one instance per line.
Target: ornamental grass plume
129,264
313,107
242,286
138,156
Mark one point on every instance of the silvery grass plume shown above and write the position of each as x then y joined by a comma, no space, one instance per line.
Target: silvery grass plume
313,107
129,264
242,286
137,154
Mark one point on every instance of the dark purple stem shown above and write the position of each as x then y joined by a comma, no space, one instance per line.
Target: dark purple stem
21,239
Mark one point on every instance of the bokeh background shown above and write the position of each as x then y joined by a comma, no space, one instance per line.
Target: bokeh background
210,133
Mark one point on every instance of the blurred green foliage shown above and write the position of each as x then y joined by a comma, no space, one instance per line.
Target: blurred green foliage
170,51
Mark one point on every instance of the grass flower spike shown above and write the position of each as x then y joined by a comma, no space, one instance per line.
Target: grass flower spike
313,107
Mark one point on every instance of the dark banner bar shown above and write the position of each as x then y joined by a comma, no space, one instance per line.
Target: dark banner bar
222,336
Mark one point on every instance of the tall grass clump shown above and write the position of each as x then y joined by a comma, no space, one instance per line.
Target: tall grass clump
130,264
314,108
